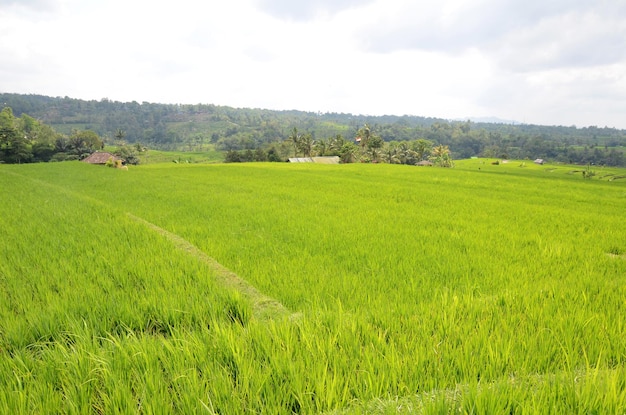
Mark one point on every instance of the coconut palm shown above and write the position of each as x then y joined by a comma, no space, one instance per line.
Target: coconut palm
305,144
363,136
392,154
335,143
421,147
294,137
321,147
348,153
440,155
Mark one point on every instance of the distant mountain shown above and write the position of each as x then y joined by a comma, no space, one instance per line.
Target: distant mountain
489,120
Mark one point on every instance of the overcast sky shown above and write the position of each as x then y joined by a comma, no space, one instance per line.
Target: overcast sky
553,62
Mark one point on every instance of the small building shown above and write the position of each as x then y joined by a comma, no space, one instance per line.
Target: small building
539,161
100,158
319,160
425,163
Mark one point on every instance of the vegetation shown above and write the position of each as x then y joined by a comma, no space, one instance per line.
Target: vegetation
24,140
479,289
196,128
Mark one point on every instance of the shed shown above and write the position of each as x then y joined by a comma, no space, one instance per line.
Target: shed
319,160
425,163
300,160
100,158
539,161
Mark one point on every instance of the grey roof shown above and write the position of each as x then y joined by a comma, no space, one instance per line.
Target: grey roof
322,160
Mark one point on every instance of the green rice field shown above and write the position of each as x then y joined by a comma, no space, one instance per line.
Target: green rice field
270,288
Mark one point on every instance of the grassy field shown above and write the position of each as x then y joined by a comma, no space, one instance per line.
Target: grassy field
183,157
278,288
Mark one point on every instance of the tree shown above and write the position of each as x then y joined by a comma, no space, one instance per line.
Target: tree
363,135
14,145
391,154
305,144
42,151
440,156
28,125
406,154
294,137
7,120
128,154
335,144
321,147
260,155
421,147
84,142
273,155
348,152
120,134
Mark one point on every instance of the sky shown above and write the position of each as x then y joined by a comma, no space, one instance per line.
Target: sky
549,62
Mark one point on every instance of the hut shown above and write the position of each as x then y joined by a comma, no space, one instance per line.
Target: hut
100,158
319,160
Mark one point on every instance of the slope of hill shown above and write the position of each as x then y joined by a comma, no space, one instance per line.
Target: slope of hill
189,127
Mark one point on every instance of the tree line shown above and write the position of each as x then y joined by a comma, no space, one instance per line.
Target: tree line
367,147
202,126
24,140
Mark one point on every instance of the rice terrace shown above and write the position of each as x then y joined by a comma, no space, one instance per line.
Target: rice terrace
281,288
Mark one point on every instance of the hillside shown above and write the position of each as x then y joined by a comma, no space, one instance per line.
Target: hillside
191,127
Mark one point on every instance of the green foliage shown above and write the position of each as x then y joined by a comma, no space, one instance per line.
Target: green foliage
129,154
234,156
440,156
588,173
348,152
194,127
296,139
13,141
85,142
24,140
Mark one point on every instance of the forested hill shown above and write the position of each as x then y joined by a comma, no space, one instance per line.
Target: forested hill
170,126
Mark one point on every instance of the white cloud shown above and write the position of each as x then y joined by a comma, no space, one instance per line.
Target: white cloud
560,62
306,10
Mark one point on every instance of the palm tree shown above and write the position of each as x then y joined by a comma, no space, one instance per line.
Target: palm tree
440,155
348,153
363,135
294,137
421,147
321,147
335,144
120,134
440,151
306,144
391,154
407,155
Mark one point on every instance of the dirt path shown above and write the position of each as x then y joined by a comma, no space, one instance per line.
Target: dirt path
264,307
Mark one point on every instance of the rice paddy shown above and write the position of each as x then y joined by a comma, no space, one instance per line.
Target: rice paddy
336,289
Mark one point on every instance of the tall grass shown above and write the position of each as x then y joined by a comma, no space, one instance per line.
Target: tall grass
430,290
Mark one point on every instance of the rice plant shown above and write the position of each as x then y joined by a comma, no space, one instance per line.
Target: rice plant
392,289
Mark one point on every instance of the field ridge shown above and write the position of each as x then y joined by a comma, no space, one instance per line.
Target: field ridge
264,307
